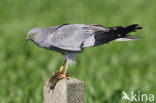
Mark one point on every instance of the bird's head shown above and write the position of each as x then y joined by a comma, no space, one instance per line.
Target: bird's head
34,34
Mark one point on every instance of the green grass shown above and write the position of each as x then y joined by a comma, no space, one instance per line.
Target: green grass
106,70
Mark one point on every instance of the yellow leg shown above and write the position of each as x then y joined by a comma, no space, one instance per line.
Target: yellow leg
67,65
62,67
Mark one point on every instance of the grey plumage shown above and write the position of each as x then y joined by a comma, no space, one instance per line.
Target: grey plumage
68,39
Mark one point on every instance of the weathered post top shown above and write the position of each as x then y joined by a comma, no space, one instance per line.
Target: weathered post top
65,91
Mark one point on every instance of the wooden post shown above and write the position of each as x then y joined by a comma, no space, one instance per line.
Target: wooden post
65,91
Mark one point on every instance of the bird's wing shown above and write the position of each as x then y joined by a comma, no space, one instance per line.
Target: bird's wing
74,37
70,37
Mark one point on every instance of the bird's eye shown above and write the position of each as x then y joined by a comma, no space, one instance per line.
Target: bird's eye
34,34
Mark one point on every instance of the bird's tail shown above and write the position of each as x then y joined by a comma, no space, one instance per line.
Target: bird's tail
118,33
126,30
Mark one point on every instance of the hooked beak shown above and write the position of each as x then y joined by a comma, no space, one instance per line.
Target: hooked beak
28,38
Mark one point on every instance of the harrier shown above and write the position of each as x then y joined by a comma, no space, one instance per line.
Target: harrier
70,39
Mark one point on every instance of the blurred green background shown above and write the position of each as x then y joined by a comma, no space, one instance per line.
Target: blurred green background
107,70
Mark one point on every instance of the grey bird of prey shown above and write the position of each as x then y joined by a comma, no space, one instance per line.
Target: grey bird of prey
70,39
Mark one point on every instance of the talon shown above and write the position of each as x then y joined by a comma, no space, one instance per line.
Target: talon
63,76
55,77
